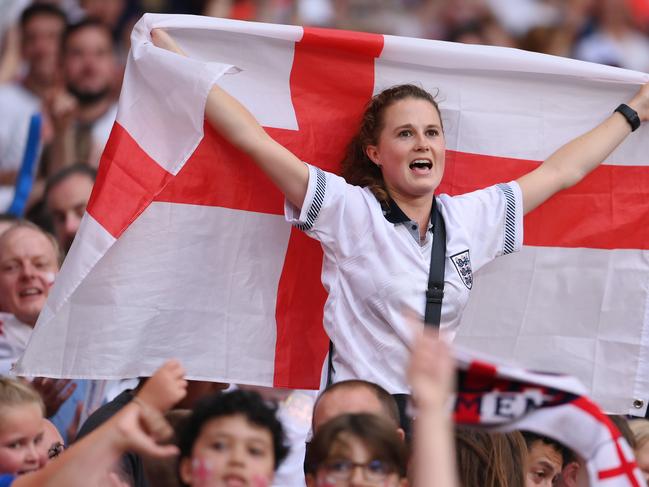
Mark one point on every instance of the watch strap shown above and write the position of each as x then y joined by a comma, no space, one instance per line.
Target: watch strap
630,114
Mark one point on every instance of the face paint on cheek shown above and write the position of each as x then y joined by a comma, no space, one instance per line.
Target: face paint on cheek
48,277
259,481
323,480
201,470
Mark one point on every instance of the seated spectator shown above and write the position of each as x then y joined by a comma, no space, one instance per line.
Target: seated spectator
545,460
357,449
640,428
21,428
234,436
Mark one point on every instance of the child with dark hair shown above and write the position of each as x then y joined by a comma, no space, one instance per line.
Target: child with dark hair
231,437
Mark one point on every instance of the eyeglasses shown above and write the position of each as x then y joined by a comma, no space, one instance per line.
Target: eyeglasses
342,470
55,450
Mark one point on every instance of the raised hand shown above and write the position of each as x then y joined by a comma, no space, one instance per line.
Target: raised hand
165,387
163,40
431,372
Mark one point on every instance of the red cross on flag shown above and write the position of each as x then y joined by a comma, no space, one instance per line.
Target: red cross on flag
508,398
184,250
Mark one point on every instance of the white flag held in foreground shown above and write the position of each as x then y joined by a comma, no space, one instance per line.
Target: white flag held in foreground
184,250
507,398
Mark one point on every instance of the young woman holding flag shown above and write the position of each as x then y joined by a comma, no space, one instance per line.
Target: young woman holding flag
375,223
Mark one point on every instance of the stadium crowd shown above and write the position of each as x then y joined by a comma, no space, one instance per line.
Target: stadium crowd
64,60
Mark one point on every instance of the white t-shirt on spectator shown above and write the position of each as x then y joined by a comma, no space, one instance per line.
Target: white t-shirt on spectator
375,267
14,335
18,105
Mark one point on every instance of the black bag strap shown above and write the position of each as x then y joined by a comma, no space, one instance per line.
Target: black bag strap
330,364
435,291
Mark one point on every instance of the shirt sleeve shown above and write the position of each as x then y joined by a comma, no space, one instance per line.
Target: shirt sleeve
491,220
334,212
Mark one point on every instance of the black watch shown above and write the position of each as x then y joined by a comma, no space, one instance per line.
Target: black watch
630,114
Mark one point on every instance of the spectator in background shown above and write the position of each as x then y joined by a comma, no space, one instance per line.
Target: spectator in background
84,114
615,40
41,27
66,195
355,396
545,460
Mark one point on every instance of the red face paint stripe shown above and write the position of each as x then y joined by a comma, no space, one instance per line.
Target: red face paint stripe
127,182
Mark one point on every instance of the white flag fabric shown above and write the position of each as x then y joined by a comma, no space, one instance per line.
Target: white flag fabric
507,398
184,250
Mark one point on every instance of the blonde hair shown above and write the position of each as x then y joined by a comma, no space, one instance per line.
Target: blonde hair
32,226
15,392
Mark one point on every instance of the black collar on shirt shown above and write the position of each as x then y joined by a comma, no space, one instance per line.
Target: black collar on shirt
394,214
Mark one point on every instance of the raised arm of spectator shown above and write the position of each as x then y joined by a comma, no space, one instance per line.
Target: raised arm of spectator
236,124
138,427
431,376
572,162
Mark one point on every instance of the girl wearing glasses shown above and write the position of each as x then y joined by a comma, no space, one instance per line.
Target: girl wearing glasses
357,449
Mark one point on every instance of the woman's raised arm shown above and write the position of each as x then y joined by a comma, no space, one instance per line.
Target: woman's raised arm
241,129
572,162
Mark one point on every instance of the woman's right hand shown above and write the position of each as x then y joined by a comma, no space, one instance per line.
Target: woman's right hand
163,40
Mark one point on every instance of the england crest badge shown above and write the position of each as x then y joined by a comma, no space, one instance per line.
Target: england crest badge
462,263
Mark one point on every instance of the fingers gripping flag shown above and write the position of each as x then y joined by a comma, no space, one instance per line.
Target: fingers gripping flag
184,251
507,398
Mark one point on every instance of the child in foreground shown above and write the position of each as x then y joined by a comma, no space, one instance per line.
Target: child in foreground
140,427
21,428
231,439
